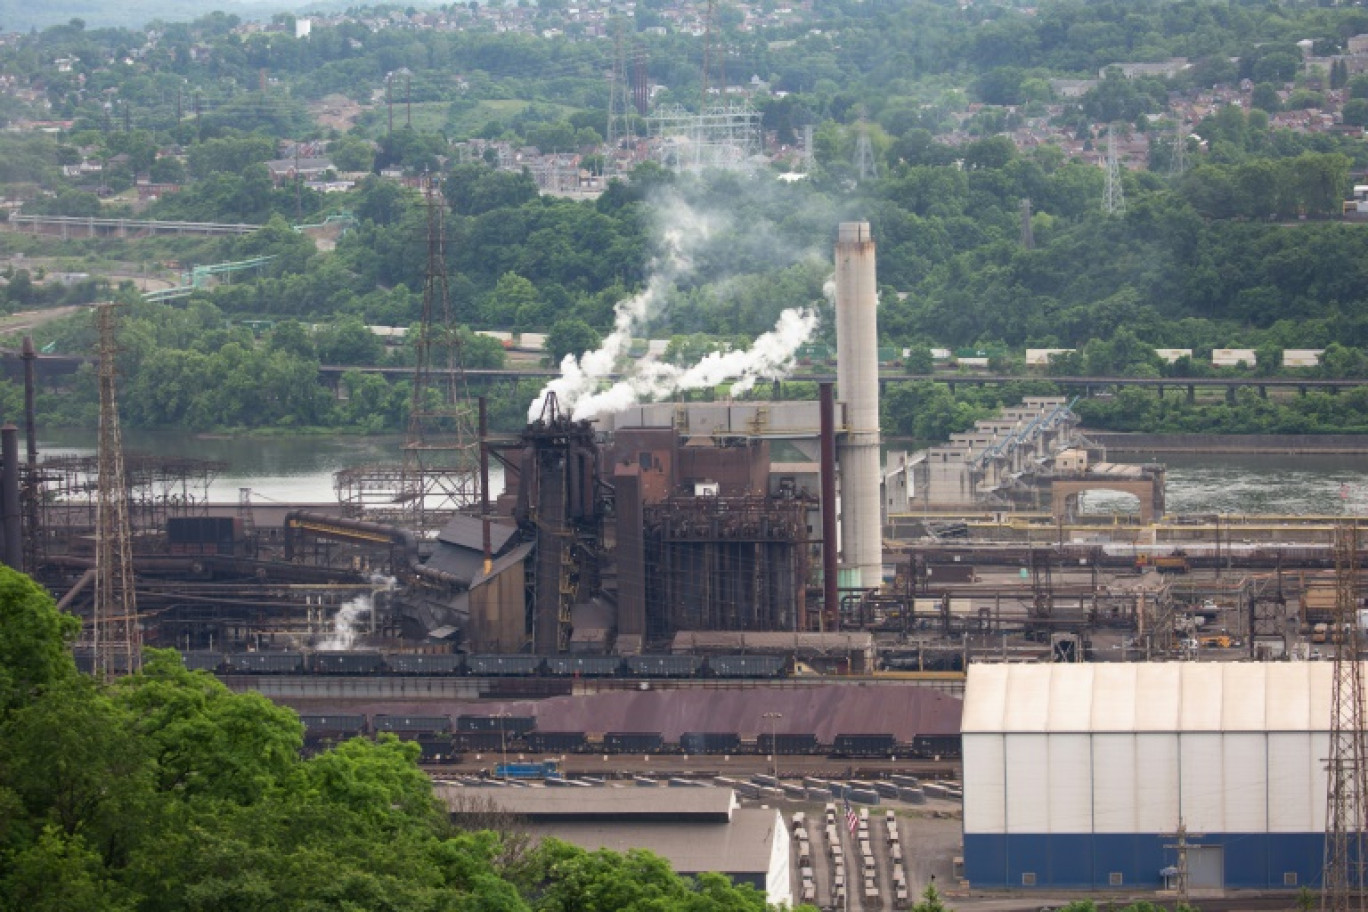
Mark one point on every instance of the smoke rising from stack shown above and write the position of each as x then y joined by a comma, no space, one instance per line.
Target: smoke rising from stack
682,231
347,622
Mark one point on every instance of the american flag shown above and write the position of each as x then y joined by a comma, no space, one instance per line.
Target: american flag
852,819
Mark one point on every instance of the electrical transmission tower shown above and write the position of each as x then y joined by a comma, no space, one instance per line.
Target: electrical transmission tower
865,166
1114,198
116,637
617,102
1342,888
1027,229
441,452
1178,164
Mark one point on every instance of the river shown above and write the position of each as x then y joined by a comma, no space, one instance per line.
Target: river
300,470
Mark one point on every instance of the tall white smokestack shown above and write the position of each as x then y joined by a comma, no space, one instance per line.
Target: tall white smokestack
857,381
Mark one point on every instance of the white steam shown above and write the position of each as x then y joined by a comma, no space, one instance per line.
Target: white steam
682,229
347,622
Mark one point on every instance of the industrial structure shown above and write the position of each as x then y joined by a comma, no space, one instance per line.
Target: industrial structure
1082,776
1029,457
697,830
857,382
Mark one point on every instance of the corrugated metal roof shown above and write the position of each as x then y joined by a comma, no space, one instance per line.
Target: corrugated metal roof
1148,697
709,804
824,711
689,641
743,847
468,532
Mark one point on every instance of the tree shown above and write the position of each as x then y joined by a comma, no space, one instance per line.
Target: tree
1355,112
34,641
349,342
352,153
570,336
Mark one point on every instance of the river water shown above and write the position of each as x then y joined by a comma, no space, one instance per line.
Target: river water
300,470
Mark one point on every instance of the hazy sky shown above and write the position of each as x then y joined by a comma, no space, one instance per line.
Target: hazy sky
16,16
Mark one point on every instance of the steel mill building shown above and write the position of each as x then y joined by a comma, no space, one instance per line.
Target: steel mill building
1093,775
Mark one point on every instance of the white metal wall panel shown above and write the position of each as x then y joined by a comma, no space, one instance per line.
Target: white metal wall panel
985,691
1027,704
1200,770
1070,783
1114,703
1158,781
1245,781
1071,697
1297,781
985,786
1157,692
1116,775
1028,798
1242,698
1199,698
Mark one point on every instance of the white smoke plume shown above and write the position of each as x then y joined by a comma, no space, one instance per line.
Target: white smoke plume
682,230
347,622
769,357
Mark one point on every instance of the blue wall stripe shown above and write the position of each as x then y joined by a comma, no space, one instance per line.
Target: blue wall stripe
1085,861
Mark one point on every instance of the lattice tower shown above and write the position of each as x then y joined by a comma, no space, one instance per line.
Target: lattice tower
1178,164
116,637
866,168
708,52
617,101
441,452
1114,198
1342,888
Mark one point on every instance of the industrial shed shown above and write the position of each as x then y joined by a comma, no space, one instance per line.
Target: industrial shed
1080,775
695,829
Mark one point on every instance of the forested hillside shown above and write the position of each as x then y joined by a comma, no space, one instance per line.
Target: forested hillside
960,110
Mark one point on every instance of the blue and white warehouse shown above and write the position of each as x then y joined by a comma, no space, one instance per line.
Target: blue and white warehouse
1080,775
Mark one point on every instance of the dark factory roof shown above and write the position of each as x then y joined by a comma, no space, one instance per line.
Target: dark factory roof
468,565
468,532
822,710
784,642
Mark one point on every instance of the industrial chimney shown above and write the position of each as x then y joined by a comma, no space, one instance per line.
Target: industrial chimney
857,379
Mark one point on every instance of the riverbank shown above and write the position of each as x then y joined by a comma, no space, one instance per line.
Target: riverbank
1278,444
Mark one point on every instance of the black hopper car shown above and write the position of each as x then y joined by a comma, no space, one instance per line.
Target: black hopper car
444,738
360,662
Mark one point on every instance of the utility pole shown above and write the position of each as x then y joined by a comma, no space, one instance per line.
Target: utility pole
774,718
1342,886
115,631
1027,230
1181,846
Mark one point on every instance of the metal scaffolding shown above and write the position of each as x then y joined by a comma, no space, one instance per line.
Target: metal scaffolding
440,471
723,136
726,563
115,632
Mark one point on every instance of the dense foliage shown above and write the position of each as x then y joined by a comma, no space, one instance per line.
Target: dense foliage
1245,249
166,792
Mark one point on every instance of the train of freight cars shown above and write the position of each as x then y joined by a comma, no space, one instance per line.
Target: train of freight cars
443,737
514,666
